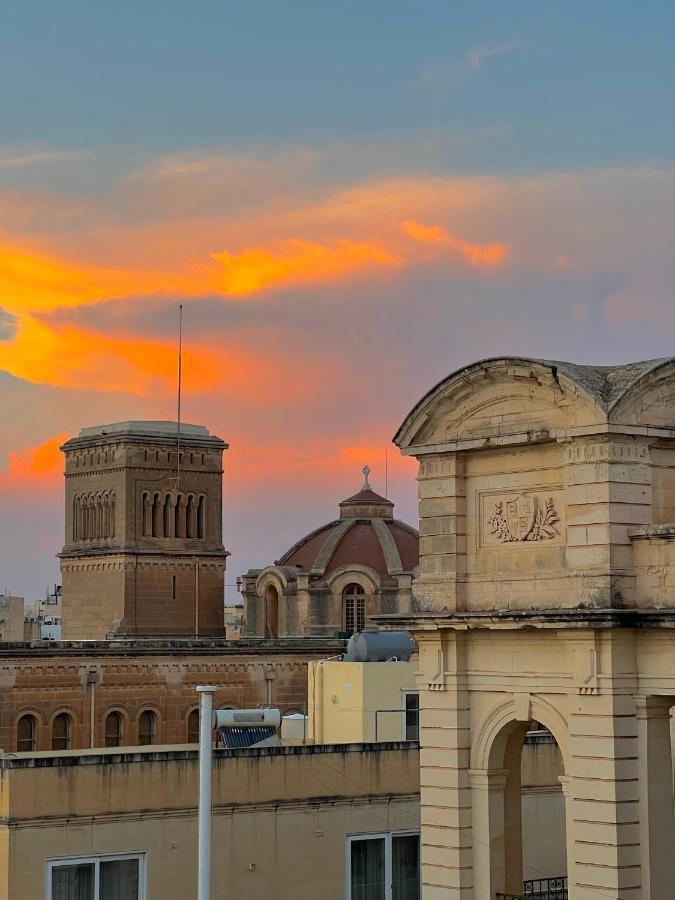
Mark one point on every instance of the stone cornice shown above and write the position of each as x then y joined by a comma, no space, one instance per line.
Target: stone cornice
174,647
560,619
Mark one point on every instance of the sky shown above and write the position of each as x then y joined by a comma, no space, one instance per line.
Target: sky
351,200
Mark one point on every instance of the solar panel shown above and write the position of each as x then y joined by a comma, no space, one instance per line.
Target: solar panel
245,735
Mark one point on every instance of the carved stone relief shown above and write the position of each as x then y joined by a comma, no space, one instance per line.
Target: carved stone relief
519,517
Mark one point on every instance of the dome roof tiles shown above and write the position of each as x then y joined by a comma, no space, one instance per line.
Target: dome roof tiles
366,534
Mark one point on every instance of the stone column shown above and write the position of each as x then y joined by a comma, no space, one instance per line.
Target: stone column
445,743
489,832
566,785
657,826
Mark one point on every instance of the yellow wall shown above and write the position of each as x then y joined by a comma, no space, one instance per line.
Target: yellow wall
344,696
281,816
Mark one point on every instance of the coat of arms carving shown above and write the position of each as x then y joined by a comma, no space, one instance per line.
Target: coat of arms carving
522,518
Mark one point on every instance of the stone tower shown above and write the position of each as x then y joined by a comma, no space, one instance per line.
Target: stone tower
143,552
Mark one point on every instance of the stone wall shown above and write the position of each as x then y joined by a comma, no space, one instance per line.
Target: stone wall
130,676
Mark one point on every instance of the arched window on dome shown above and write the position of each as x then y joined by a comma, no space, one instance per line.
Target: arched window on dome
354,605
271,612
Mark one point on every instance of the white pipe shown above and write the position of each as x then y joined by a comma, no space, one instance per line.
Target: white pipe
206,692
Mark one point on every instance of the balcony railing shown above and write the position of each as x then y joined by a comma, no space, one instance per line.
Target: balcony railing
540,889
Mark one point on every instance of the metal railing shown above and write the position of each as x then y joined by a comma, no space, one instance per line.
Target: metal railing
554,888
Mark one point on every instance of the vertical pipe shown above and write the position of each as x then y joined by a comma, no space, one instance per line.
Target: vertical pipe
196,597
92,713
206,692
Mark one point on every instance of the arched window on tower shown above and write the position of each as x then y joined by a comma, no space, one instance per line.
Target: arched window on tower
201,518
354,603
26,734
156,516
62,732
113,730
168,516
76,517
147,727
111,514
146,514
180,516
191,518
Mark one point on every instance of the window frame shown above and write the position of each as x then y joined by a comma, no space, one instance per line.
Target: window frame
35,733
123,726
153,730
57,861
405,693
388,857
65,715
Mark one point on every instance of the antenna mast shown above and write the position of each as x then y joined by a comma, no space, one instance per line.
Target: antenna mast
386,472
180,380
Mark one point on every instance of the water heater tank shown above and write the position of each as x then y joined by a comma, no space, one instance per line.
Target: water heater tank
379,646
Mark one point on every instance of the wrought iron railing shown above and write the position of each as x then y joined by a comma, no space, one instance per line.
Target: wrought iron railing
540,889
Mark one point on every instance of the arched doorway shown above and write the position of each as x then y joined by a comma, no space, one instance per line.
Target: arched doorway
271,612
511,859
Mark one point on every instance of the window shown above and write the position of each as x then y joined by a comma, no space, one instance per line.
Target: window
383,866
61,732
193,727
113,730
411,719
97,878
147,727
354,598
26,734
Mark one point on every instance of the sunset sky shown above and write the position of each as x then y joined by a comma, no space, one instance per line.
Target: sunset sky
350,199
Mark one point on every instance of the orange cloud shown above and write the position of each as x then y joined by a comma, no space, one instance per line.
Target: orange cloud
477,254
297,261
35,466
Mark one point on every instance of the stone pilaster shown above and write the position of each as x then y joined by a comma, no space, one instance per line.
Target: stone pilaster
608,490
444,768
442,507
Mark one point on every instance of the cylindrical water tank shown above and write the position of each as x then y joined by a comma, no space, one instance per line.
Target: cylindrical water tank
233,718
379,646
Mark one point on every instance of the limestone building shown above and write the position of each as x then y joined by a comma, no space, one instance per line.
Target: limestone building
332,580
143,551
546,592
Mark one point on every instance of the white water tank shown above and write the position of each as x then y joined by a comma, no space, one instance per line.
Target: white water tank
241,718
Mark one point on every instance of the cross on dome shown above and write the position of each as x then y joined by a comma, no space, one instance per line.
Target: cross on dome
366,472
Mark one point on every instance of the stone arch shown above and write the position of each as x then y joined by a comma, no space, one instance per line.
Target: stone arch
495,725
524,395
496,800
364,576
351,615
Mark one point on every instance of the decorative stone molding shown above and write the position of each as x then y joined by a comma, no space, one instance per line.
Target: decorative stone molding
516,517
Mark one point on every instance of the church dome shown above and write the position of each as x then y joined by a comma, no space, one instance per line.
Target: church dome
366,534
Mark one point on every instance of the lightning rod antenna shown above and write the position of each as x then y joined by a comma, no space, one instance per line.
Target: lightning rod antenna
180,383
